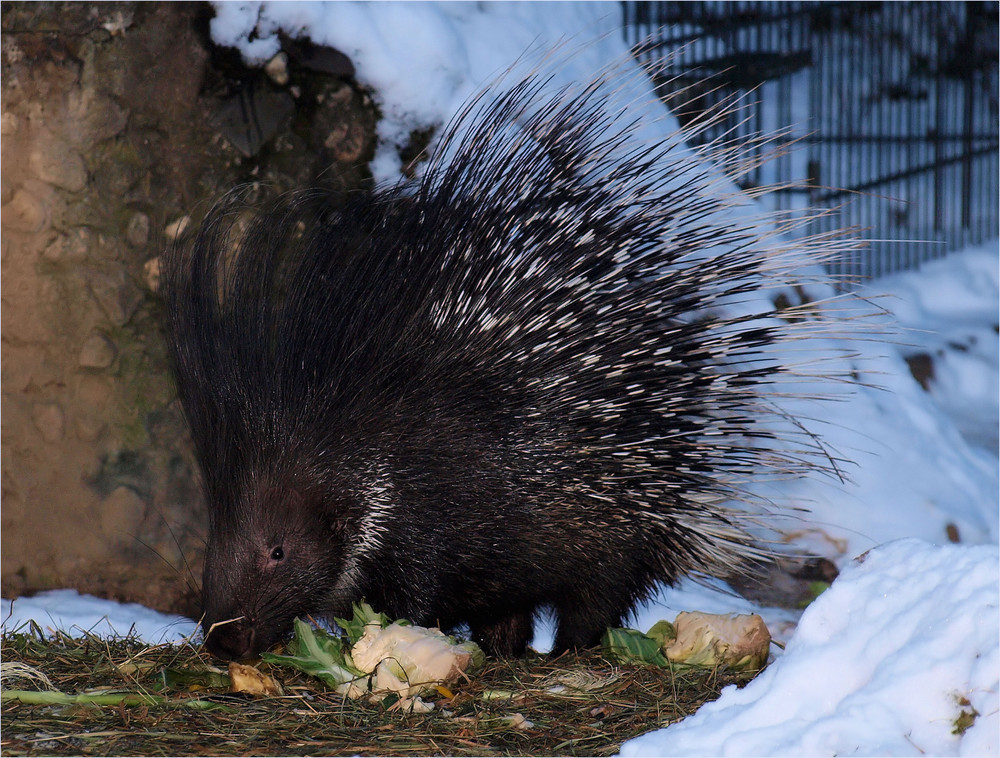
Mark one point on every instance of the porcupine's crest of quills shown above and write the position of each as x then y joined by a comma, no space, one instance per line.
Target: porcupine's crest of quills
497,392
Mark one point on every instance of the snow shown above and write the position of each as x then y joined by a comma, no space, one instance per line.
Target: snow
955,323
76,614
882,663
906,639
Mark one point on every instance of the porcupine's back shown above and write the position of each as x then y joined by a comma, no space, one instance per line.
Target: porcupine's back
501,391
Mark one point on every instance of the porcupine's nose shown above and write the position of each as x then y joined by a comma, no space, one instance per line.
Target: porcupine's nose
232,641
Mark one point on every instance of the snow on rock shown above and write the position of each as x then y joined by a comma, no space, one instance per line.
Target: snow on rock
423,61
883,663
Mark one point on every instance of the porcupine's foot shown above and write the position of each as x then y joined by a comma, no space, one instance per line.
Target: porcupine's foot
505,638
582,627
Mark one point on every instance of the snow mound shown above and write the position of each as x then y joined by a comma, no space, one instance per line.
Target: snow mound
885,662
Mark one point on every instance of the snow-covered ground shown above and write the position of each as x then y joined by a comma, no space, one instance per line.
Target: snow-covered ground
908,638
885,662
77,614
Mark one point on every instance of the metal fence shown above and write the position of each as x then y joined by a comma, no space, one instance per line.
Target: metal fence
892,106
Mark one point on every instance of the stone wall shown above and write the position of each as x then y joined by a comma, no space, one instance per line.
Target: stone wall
118,122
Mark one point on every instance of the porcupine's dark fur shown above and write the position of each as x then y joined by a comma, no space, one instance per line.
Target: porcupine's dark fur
481,398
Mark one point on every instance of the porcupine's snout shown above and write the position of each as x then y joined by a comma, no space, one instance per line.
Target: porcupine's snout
268,560
233,640
230,620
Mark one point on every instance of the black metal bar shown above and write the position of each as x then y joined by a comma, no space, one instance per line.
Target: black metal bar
970,114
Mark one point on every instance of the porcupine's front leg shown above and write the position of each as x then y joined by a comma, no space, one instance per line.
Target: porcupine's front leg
507,637
581,626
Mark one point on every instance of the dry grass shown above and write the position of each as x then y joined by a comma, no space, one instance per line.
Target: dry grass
574,705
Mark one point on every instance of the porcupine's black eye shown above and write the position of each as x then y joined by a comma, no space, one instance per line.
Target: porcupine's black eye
277,554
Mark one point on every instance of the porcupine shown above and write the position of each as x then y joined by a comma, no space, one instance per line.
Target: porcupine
505,390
